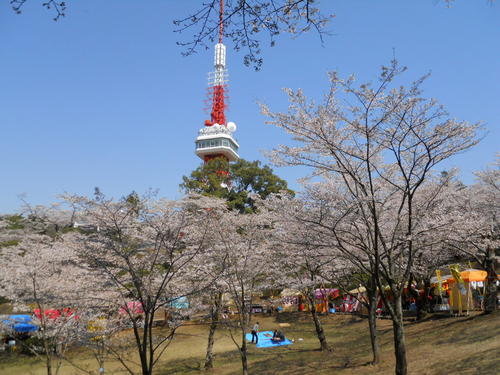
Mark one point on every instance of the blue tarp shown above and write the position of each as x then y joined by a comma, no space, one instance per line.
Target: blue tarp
181,303
265,340
20,323
20,318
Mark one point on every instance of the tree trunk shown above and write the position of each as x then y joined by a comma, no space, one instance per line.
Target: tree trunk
419,302
372,323
49,364
144,362
243,353
399,337
490,295
145,350
426,303
47,347
100,355
422,305
319,328
214,315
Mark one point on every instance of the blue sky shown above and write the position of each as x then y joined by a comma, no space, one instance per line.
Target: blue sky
104,97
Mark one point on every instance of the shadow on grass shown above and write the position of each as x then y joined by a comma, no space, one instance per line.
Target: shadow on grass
12,359
352,352
461,330
306,362
266,361
485,362
290,317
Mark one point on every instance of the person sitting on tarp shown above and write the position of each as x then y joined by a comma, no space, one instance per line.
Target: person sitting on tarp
278,336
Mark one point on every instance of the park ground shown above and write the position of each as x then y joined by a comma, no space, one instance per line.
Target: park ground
464,345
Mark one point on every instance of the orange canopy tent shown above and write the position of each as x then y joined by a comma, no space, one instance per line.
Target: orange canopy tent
461,298
470,275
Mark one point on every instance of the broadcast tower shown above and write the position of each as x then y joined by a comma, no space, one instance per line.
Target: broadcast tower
215,139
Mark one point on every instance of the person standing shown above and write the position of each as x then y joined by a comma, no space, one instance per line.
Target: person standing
255,330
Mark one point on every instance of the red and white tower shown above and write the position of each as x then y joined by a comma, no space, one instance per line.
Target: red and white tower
215,139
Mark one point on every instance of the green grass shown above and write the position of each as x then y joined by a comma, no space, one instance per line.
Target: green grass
467,345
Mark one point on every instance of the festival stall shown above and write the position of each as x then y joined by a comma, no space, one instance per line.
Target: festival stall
352,301
465,288
290,299
440,291
440,283
323,297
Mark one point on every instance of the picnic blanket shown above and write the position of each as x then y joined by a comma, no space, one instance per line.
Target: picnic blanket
265,340
20,323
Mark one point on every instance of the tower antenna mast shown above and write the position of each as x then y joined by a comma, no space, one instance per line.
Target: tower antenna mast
221,23
216,139
217,80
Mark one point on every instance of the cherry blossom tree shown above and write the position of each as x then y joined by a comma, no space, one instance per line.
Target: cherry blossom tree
212,297
42,277
39,276
380,143
436,231
240,242
297,257
245,179
338,250
146,255
487,193
215,309
476,211
327,222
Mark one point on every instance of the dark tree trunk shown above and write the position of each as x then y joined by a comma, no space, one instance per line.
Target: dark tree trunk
49,360
423,302
426,303
319,328
214,315
419,301
243,353
49,364
144,361
372,323
145,347
491,290
399,337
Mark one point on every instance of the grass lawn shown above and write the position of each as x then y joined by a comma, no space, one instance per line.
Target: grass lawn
467,345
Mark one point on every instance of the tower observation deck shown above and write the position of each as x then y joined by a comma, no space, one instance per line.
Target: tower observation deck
216,139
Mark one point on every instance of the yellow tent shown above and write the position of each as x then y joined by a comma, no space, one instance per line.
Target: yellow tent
461,293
